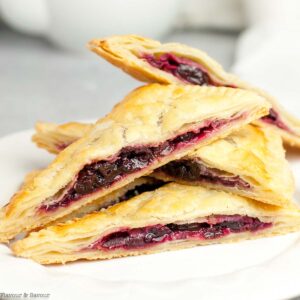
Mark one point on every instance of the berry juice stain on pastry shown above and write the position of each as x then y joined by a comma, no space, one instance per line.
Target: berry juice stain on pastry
252,163
194,170
158,221
103,174
152,126
182,68
151,235
150,61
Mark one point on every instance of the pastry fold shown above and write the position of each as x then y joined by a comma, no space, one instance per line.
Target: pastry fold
55,138
154,125
158,221
249,162
132,189
150,61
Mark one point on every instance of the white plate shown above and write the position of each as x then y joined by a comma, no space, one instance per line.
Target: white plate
217,267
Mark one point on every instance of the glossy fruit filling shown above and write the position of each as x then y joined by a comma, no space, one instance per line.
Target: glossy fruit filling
139,189
183,68
102,174
152,185
191,72
274,119
212,227
193,170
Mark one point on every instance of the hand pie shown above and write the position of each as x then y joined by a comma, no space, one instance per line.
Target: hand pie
155,124
158,221
132,189
249,162
55,138
150,61
252,162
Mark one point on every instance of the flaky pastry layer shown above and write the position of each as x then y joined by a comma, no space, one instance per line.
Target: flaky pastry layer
253,153
148,116
129,52
74,239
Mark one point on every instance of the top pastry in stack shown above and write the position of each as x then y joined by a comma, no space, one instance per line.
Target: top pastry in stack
193,158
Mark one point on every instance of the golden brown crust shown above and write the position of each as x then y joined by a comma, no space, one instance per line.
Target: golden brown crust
149,115
125,52
54,138
253,153
256,155
62,258
50,137
65,242
96,205
104,202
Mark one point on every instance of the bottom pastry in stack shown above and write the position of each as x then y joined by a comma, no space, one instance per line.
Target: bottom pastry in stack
170,217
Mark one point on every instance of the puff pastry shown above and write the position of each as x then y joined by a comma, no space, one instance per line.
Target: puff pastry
154,124
151,61
54,138
159,221
249,162
252,162
134,188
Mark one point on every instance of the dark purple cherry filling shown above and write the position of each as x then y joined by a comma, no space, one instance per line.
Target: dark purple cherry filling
191,72
183,68
139,189
212,228
193,170
152,185
102,174
274,119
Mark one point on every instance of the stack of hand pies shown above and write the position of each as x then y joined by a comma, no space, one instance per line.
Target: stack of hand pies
193,158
